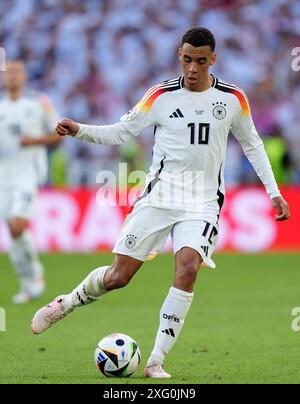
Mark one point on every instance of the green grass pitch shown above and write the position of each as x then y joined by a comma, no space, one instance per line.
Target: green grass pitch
238,329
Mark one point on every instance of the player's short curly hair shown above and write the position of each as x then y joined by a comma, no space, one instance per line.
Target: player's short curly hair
199,36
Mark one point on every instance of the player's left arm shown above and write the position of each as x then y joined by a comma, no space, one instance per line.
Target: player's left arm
49,122
244,130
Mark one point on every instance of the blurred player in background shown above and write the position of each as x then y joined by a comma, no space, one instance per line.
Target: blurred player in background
192,115
27,126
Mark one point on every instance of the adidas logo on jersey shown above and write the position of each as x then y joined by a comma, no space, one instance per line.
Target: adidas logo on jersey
170,332
177,114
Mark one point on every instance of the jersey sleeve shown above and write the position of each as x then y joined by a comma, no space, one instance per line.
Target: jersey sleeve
50,116
131,124
244,130
143,114
243,127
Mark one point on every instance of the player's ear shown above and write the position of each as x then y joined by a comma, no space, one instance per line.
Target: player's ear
179,53
213,59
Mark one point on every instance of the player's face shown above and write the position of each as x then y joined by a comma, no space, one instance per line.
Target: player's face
195,64
14,77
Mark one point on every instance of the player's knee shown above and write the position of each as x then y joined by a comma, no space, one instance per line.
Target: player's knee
187,266
187,272
16,228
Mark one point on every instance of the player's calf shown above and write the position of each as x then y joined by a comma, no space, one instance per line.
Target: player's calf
121,272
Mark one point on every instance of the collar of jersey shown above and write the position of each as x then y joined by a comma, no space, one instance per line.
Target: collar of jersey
199,92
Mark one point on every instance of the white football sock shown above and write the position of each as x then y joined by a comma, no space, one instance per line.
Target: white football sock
25,260
172,316
90,290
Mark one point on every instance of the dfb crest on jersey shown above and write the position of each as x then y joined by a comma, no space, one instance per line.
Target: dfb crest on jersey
130,241
130,114
219,111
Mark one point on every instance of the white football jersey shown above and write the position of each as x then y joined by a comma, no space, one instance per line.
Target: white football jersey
191,132
31,115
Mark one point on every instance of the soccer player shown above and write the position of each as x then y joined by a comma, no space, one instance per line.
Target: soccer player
192,115
27,125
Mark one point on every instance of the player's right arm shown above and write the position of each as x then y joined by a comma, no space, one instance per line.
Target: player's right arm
130,125
108,134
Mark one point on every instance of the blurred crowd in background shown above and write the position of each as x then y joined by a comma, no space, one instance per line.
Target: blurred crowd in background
96,58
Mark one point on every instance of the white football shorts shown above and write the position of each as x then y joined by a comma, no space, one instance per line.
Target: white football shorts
17,203
146,229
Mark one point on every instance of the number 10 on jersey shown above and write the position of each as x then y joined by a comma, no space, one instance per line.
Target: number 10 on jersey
202,136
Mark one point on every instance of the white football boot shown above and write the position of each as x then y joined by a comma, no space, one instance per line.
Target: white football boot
29,292
48,315
155,370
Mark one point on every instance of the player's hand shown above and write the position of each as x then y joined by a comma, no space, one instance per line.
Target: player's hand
67,127
282,208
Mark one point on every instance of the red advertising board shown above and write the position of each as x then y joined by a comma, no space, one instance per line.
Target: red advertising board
72,220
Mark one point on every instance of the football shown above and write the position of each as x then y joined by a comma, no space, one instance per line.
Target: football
117,355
